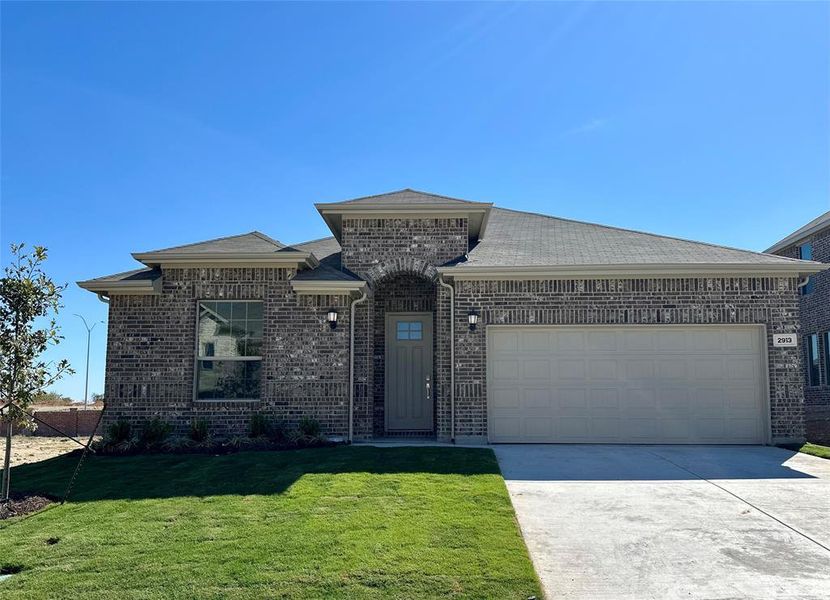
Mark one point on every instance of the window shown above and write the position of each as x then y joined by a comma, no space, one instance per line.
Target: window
813,374
827,358
805,252
229,353
410,330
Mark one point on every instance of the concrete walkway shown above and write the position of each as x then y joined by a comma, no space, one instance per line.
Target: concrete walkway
673,521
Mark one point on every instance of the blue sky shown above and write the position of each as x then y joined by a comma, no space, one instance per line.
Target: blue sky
130,127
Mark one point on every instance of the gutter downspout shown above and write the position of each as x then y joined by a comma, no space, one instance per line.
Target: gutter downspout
103,298
351,364
452,355
802,283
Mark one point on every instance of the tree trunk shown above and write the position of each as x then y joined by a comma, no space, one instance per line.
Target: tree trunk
7,462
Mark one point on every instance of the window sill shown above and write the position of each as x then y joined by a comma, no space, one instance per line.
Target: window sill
226,400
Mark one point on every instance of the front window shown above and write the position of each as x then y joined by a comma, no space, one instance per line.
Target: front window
827,357
805,252
813,374
229,353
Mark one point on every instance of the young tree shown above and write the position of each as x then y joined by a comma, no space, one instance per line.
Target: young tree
26,294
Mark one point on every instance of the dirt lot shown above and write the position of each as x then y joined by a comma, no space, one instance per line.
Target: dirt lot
29,449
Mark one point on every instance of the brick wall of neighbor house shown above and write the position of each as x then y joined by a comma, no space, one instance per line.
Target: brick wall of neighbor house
769,301
368,245
151,352
815,318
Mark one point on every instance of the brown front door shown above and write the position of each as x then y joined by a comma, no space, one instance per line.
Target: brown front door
408,373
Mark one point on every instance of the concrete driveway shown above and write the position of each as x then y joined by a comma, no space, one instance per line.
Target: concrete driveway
673,521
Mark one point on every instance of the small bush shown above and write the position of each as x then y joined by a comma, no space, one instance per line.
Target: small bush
177,444
155,432
277,433
260,426
199,432
119,431
309,427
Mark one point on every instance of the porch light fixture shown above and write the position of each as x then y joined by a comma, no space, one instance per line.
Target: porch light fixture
331,317
472,319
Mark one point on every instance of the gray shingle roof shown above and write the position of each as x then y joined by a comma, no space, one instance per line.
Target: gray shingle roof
810,228
515,238
406,196
253,241
146,274
326,273
319,248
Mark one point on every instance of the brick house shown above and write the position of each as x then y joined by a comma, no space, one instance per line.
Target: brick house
812,242
431,316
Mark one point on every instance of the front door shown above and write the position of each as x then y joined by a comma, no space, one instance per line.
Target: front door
408,374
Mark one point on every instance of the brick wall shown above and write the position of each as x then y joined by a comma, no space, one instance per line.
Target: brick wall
151,352
815,318
769,301
57,423
370,244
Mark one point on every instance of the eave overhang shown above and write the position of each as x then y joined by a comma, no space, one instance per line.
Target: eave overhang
295,259
477,213
659,271
143,287
333,288
798,237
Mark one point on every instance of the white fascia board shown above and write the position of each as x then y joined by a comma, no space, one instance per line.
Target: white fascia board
123,288
663,271
310,287
260,259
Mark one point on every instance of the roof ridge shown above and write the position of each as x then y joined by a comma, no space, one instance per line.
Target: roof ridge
407,189
328,237
258,234
266,238
655,235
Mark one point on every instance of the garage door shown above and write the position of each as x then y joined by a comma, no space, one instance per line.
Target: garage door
639,384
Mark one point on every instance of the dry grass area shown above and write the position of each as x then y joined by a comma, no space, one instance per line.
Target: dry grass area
29,449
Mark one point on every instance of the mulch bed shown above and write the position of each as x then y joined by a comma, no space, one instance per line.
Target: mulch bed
23,504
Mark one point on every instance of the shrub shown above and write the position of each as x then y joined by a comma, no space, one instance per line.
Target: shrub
309,427
277,433
177,444
155,432
260,425
119,431
199,432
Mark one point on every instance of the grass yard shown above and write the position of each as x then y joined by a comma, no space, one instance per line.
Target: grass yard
355,522
815,450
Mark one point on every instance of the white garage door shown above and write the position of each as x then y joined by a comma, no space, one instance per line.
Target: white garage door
638,384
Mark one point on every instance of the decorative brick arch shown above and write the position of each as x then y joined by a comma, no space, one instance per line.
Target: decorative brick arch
399,266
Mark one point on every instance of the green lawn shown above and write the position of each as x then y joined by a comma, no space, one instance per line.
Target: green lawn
815,450
355,522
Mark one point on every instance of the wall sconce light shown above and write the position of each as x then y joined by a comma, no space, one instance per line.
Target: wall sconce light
331,317
472,319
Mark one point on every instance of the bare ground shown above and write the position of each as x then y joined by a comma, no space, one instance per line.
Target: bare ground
29,449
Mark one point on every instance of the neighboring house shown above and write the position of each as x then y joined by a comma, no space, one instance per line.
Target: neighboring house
812,242
460,320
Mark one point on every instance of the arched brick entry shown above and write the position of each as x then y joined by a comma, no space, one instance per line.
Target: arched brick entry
404,290
406,265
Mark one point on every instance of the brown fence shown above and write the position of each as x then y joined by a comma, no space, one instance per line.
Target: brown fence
71,421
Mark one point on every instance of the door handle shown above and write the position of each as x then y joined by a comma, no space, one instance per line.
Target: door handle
429,394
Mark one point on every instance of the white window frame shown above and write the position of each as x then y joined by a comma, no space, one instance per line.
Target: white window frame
198,358
808,350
